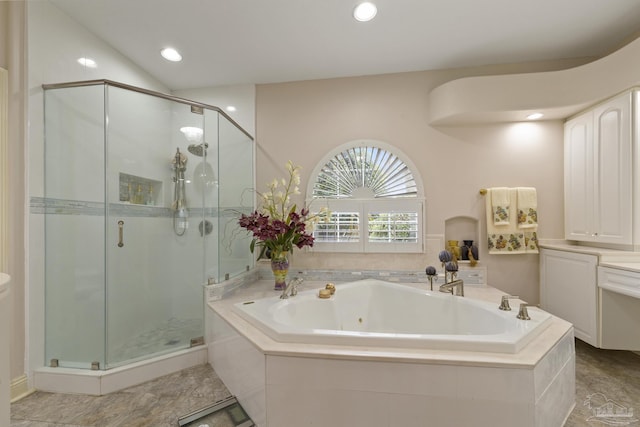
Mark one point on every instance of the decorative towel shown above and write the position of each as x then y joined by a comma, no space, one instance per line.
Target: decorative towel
509,238
500,198
527,207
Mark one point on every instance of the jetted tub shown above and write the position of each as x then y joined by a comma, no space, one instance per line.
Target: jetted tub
382,314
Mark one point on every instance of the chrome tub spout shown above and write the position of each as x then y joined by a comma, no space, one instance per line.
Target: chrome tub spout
454,288
291,286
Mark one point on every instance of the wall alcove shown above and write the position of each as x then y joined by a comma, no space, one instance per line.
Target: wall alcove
462,228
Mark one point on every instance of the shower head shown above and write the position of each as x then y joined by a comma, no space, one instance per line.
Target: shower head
198,149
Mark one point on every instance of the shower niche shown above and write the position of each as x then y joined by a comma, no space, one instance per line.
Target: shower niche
125,262
138,190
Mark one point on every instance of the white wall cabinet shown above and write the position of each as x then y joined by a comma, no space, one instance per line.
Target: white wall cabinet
568,289
598,173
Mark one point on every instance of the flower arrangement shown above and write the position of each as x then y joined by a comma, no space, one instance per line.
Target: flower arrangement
277,227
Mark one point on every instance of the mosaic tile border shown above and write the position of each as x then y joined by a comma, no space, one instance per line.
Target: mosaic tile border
48,206
218,291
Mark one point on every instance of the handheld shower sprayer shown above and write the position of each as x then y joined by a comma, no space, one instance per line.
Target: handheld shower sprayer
179,206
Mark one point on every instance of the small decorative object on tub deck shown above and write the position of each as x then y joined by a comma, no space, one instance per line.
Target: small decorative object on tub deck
444,256
280,268
278,226
324,293
452,269
331,287
431,274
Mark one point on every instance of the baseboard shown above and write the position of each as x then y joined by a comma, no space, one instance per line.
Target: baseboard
20,388
98,383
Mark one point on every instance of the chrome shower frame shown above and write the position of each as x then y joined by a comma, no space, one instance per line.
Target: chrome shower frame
144,232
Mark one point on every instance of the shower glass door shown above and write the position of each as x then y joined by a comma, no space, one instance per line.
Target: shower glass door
154,297
74,224
236,195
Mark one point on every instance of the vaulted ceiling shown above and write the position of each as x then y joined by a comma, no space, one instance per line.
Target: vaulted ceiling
258,41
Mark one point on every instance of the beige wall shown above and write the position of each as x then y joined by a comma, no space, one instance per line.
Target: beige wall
302,121
12,57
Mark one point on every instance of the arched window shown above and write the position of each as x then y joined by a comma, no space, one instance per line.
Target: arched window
374,199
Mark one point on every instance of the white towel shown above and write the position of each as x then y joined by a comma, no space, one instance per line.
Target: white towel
500,198
508,238
527,207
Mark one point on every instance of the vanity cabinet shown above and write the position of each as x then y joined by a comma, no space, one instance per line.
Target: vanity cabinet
598,173
568,289
619,295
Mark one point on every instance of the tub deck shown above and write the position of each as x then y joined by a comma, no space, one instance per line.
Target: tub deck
295,384
379,313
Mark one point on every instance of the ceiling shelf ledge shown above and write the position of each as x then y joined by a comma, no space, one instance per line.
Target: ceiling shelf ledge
556,94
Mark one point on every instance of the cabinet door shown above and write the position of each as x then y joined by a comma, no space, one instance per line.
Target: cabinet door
613,201
579,178
568,290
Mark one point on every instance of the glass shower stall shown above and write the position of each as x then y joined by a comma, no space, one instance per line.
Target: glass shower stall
142,195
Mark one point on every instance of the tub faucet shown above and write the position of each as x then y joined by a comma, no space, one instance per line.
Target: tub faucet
504,302
291,286
456,285
523,313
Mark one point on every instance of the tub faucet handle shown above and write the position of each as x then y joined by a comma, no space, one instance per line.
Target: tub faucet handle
294,288
291,286
523,313
504,302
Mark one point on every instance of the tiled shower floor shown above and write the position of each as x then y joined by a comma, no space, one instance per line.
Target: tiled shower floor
603,374
175,333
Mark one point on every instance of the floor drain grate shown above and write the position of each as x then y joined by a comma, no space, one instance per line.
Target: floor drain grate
224,412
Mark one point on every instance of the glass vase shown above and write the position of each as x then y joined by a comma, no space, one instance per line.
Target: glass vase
280,268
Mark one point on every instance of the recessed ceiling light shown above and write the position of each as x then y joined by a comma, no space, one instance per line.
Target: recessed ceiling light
535,116
87,62
365,11
231,108
170,54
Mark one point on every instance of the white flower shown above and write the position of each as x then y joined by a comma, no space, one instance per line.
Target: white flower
290,167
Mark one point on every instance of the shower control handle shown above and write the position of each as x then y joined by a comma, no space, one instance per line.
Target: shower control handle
120,233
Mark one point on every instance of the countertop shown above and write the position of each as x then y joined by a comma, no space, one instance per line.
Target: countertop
627,266
526,358
605,254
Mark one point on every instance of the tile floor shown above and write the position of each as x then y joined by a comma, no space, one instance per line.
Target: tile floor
606,375
610,377
157,403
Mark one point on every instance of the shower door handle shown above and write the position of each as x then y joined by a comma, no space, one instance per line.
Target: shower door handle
120,233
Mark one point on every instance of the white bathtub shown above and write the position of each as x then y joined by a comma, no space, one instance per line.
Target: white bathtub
383,314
